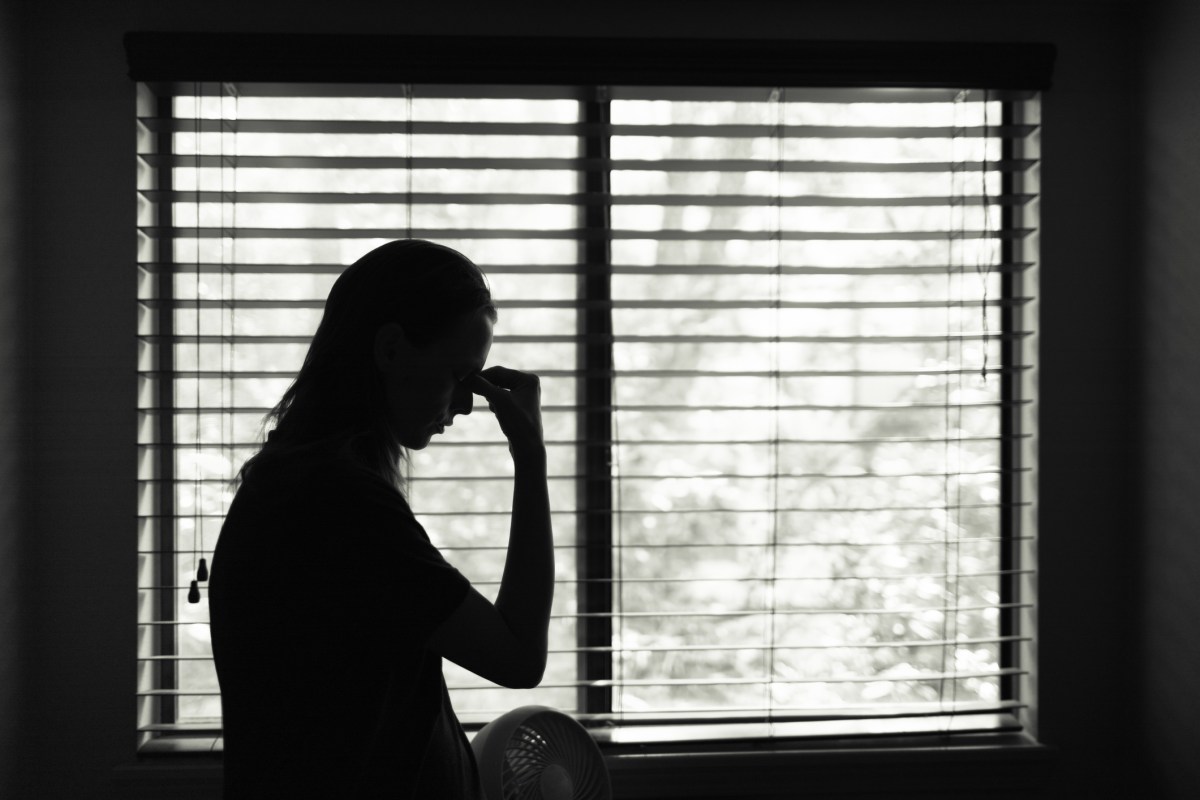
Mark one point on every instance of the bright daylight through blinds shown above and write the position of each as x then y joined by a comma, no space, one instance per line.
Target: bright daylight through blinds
786,342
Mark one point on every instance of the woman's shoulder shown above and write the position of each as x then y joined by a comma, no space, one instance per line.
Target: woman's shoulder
323,476
323,505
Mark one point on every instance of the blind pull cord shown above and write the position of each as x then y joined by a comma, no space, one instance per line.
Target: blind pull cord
984,260
194,590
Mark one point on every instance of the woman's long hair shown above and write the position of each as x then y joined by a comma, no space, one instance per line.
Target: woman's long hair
337,397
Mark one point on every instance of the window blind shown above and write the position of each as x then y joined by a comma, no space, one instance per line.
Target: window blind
786,337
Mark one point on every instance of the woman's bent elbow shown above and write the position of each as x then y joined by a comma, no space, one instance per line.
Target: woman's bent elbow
528,675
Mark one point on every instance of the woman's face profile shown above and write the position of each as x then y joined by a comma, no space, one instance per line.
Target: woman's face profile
424,387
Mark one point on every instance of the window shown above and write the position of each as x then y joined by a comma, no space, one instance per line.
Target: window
786,333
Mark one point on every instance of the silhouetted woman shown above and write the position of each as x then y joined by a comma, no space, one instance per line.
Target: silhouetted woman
331,610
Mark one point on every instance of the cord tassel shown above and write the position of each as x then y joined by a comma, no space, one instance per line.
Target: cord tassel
202,572
194,593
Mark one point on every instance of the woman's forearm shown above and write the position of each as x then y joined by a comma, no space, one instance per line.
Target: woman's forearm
527,586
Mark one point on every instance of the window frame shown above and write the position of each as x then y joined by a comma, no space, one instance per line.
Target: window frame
168,58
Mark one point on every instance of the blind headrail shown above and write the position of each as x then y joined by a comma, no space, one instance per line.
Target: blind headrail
382,58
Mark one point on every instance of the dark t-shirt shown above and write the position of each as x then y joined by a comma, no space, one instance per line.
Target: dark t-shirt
324,591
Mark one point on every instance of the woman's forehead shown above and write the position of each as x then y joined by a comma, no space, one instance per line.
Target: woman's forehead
471,339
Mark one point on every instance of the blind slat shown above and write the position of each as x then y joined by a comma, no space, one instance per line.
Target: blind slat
939,236
626,580
742,165
660,303
552,442
182,339
678,682
206,268
424,127
682,512
596,199
563,408
741,613
643,546
719,647
635,477
665,374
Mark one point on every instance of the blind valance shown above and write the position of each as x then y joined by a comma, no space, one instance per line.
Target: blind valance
583,61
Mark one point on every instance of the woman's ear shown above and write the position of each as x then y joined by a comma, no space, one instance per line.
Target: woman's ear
391,346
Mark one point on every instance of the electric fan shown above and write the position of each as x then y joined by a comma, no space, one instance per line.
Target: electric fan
538,753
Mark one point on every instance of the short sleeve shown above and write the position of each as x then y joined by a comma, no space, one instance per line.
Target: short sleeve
389,555
323,594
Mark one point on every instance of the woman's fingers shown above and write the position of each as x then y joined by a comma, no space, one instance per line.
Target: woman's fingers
482,386
496,382
515,398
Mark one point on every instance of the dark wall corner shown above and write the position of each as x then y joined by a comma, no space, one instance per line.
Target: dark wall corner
13,421
1167,371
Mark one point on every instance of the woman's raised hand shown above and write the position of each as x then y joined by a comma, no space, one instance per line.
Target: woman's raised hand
516,399
506,642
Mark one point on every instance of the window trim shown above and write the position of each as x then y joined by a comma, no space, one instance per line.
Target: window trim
594,526
899,766
170,57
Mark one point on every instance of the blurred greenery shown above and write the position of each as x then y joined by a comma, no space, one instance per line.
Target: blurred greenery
804,542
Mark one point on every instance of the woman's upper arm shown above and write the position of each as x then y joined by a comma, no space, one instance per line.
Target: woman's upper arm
476,637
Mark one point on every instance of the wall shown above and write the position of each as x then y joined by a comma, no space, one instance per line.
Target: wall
11,388
1169,375
77,599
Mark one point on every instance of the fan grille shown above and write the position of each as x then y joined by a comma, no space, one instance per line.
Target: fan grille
551,758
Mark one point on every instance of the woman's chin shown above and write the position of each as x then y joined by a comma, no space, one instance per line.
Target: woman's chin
418,441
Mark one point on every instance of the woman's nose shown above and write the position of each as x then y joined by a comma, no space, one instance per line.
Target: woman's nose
462,401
